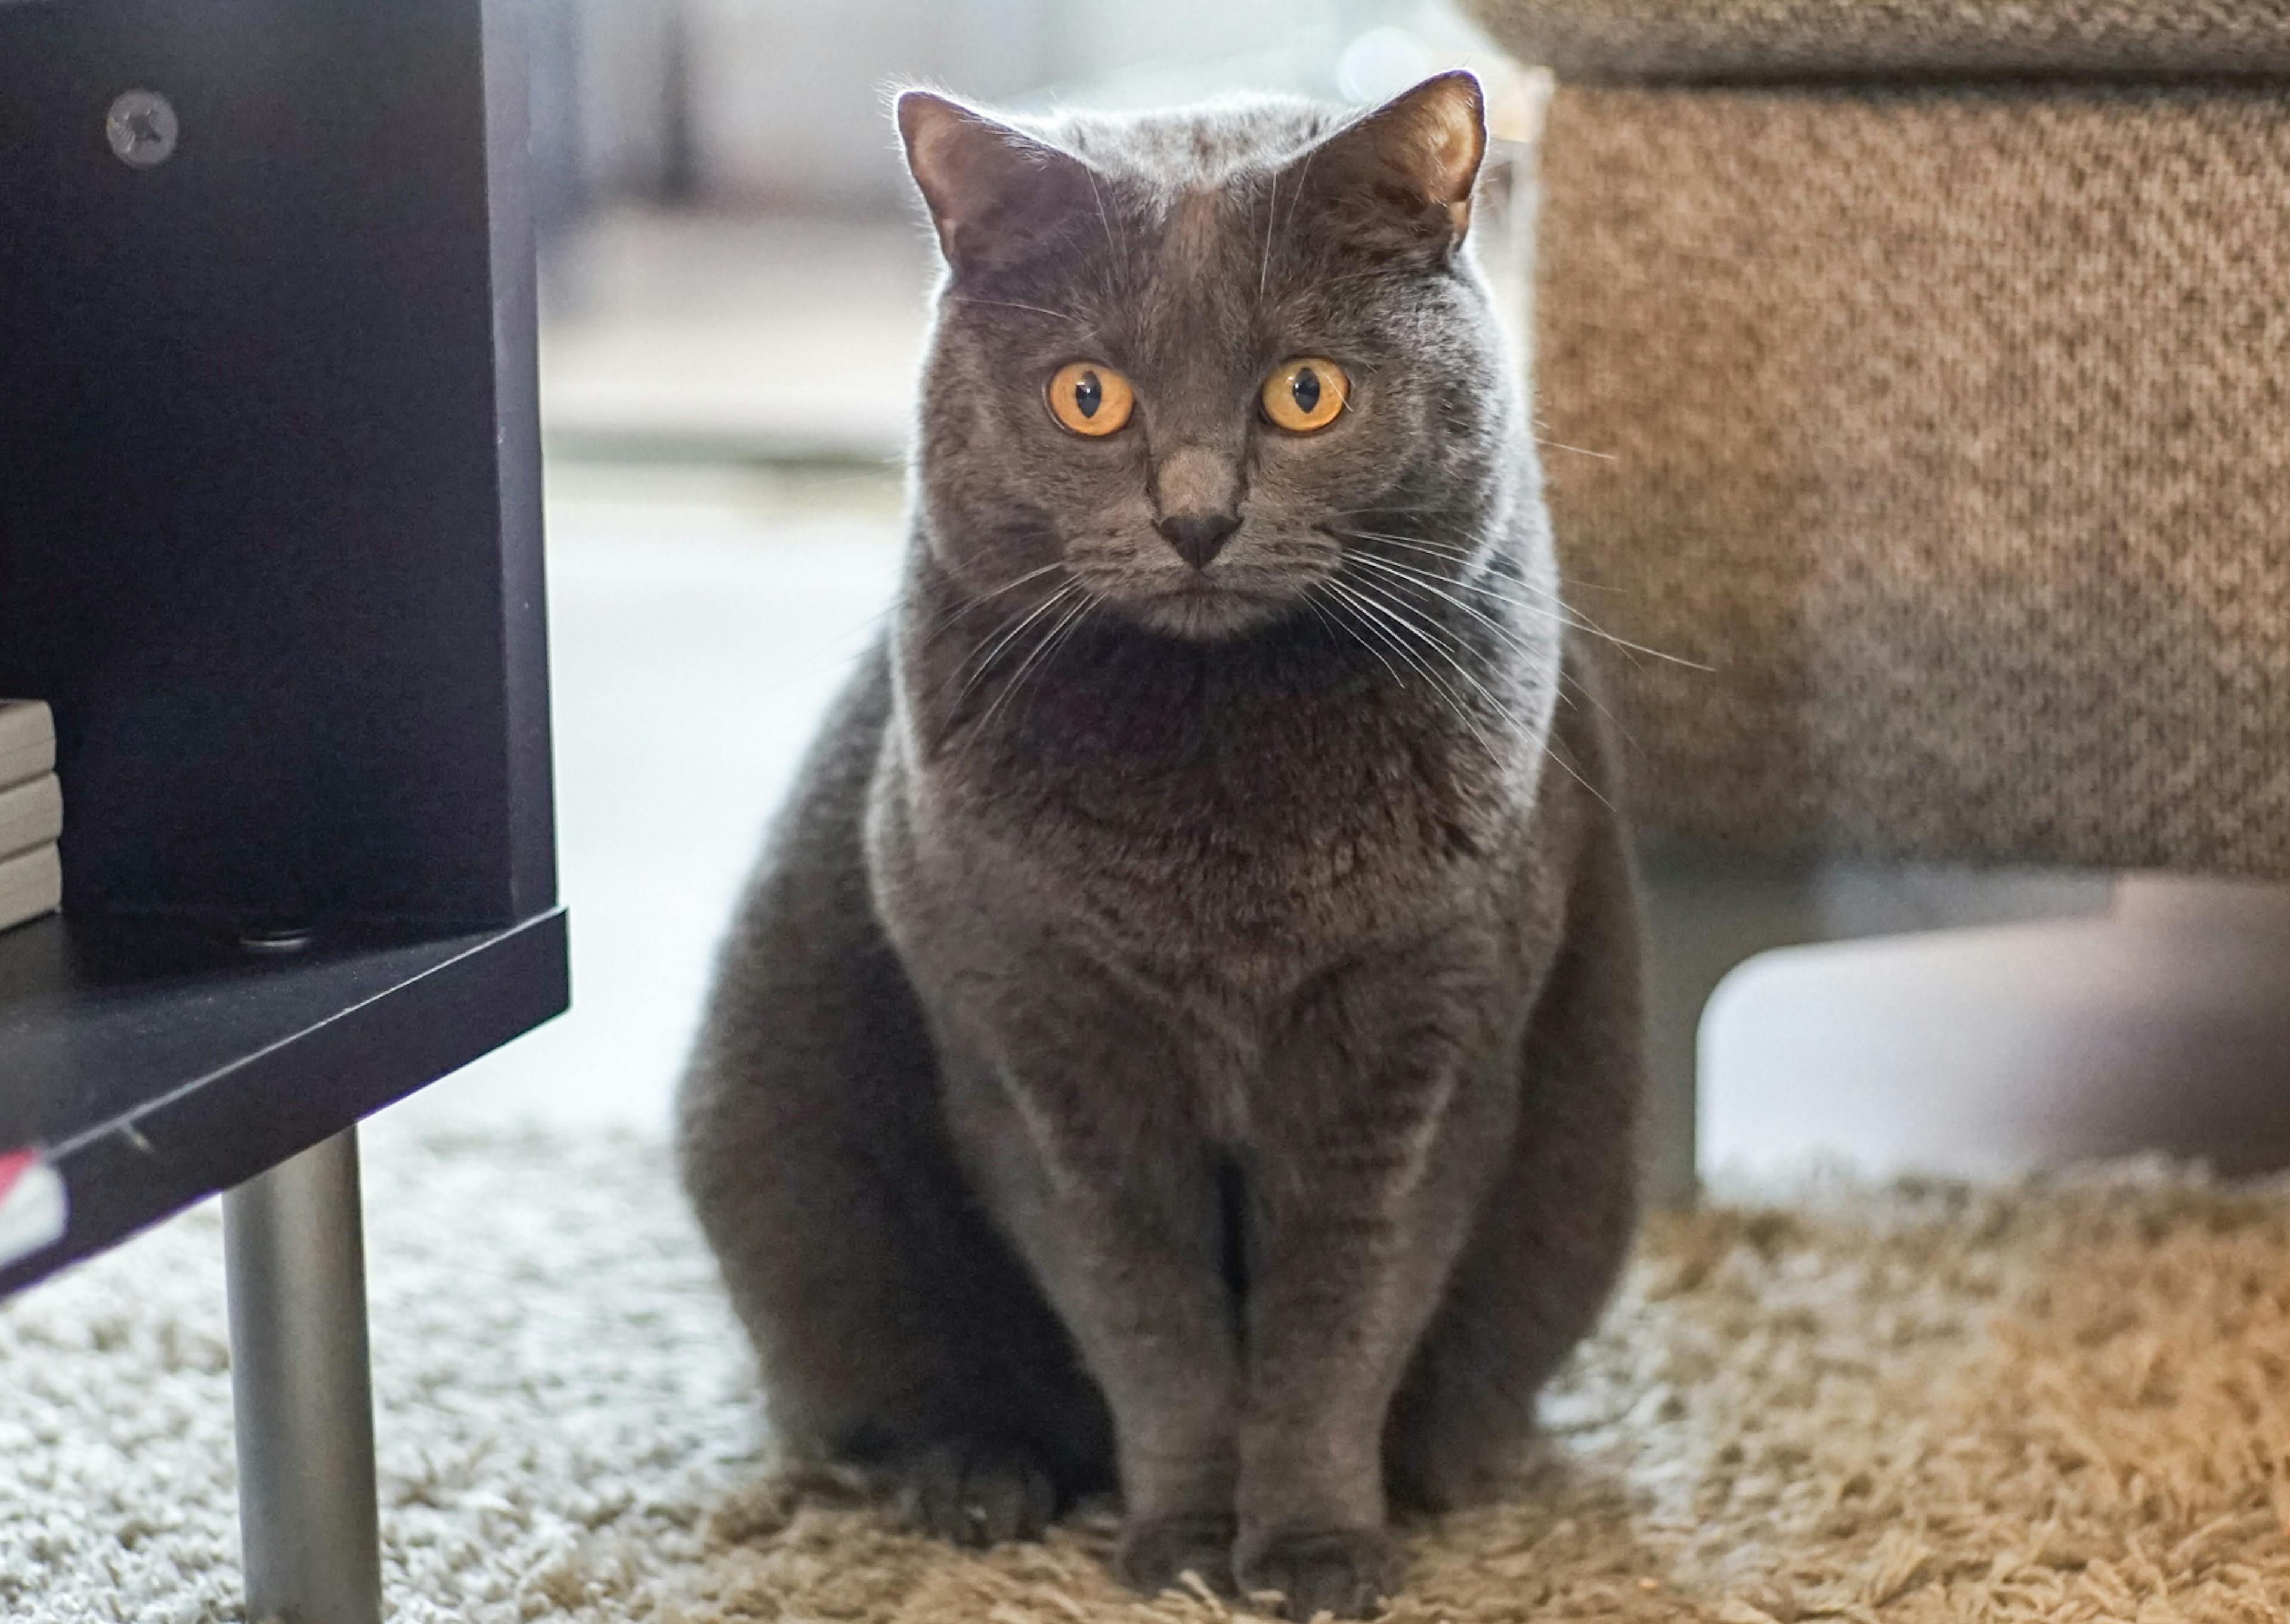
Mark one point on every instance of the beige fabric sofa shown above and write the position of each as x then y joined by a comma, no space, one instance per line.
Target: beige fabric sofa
1927,366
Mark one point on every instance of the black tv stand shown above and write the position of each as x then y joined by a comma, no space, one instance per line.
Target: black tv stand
270,547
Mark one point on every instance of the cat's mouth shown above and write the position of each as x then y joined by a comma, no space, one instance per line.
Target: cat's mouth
1253,584
1204,607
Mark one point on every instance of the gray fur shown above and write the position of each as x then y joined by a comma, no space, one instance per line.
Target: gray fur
1184,1028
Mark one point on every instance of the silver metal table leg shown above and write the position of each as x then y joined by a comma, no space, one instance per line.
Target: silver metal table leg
294,1245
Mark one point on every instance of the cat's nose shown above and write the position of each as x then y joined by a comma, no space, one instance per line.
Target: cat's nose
1197,537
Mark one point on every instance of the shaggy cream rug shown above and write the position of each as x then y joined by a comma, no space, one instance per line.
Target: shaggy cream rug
2065,1399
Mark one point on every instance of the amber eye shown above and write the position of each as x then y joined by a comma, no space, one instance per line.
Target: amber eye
1090,399
1306,394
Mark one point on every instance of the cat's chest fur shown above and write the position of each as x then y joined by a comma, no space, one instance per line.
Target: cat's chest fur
1223,824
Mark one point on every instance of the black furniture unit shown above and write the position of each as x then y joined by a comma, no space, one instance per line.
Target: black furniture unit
270,547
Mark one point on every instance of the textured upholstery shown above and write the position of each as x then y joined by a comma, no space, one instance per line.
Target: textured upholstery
1953,429
1948,421
1723,39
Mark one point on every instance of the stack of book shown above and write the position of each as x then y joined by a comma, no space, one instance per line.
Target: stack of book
31,813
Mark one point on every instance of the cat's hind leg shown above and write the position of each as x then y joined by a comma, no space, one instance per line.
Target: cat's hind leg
895,1328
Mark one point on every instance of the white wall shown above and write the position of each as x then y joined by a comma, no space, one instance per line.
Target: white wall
788,100
788,97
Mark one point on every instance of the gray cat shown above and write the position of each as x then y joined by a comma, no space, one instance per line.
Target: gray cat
1183,1035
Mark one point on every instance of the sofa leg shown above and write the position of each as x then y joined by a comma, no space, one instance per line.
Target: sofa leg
295,1256
1705,913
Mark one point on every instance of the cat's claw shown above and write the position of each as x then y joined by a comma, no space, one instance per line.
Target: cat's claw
1349,1573
977,1494
1156,1556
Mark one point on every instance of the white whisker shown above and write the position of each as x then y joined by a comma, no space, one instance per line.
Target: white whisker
1011,304
985,662
947,616
1271,216
1303,171
1550,742
1354,512
1603,709
1552,604
1104,215
1385,623
1047,641
1453,549
1445,592
1579,450
1443,589
1363,642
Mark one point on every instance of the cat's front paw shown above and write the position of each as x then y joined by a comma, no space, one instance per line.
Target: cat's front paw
1156,1556
1350,1573
977,1493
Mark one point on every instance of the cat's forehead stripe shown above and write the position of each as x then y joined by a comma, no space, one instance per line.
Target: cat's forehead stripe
1191,241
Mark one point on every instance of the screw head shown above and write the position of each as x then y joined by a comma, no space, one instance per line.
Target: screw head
141,128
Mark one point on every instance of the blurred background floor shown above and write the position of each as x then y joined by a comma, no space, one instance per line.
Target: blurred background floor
700,619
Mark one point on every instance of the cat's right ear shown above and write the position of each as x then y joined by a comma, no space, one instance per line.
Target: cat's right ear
996,195
1399,181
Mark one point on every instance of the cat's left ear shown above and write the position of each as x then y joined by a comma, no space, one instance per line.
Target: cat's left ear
1400,179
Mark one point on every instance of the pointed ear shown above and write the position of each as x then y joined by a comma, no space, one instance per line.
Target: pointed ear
996,195
1400,179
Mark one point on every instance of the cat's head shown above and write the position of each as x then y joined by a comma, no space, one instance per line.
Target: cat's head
1181,360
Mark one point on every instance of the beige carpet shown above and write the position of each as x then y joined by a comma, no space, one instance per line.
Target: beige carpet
2065,1401
2061,1401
